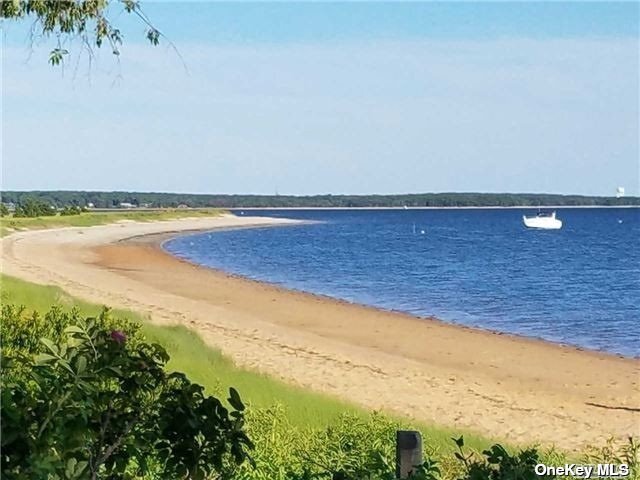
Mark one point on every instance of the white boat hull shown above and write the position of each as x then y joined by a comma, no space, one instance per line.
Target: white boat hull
543,223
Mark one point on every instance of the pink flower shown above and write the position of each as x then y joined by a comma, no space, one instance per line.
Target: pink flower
118,337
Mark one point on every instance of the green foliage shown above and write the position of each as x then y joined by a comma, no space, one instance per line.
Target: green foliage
84,20
92,399
4,211
113,199
617,452
497,463
351,447
33,207
71,210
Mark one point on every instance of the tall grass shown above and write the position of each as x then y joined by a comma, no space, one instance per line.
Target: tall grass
87,219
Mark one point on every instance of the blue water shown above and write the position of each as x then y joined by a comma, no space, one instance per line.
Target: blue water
482,268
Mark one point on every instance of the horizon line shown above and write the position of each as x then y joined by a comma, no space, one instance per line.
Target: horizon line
2,191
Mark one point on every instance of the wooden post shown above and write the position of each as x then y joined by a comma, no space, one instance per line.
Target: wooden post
408,452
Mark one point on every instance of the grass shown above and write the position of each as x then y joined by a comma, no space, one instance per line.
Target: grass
207,366
88,219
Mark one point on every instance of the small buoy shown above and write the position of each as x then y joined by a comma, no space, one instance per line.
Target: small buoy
619,220
422,232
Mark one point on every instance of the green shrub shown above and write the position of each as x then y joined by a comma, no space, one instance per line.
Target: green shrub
349,448
34,208
93,400
353,448
497,463
71,210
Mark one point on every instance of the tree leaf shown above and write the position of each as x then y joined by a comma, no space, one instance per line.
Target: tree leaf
80,467
81,364
234,399
43,358
459,441
71,467
50,345
66,365
73,329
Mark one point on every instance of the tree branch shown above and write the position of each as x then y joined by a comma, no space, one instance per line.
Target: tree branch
114,446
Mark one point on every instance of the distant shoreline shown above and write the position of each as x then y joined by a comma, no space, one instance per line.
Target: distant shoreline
447,200
241,209
519,207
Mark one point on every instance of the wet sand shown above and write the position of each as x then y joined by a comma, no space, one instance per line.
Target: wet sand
510,388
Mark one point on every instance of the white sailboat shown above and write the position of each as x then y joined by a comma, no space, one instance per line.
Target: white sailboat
544,221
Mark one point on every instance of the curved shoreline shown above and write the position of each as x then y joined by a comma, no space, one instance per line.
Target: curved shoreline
164,238
508,387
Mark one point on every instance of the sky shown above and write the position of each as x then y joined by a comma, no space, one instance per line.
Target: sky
314,98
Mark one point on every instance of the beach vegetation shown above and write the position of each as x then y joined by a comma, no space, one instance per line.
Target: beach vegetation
4,211
296,434
72,210
616,452
88,218
88,397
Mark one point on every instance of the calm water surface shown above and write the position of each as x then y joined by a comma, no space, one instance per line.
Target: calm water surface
579,285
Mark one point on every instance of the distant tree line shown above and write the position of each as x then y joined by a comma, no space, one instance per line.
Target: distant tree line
60,199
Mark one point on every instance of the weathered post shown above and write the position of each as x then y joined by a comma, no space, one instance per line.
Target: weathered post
408,452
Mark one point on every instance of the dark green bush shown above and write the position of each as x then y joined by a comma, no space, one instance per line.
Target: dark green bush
32,207
71,210
91,399
497,463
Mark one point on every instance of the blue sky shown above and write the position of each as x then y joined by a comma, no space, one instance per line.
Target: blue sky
335,98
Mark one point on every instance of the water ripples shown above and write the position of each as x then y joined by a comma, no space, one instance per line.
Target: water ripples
481,268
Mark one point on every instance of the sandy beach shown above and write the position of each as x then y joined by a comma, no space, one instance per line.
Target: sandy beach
506,387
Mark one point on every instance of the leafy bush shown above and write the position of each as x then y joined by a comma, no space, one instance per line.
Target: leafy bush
32,207
94,401
364,449
71,210
351,448
498,464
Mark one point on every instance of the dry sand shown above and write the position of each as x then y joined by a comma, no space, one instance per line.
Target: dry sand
506,387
